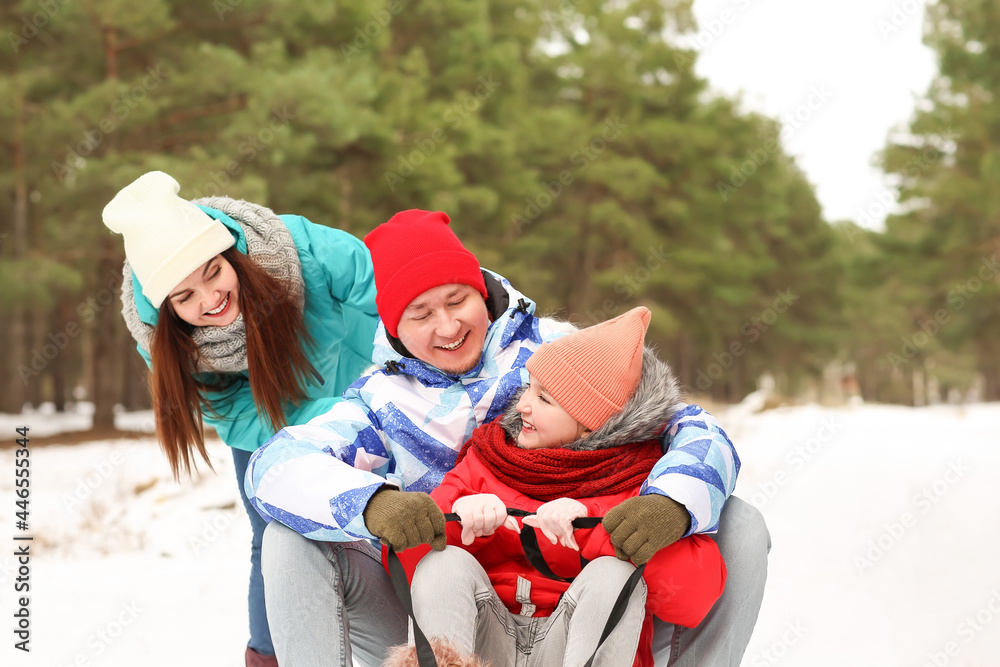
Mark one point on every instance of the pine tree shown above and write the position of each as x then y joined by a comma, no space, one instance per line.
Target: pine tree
945,244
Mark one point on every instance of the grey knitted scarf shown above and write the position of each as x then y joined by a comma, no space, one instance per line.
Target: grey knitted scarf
270,246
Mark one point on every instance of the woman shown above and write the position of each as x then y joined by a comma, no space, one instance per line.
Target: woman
248,320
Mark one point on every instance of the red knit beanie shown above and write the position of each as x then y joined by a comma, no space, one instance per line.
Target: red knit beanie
413,252
593,372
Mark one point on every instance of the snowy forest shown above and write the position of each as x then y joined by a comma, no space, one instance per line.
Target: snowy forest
573,145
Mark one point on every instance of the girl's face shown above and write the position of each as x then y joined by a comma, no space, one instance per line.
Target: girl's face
544,423
209,297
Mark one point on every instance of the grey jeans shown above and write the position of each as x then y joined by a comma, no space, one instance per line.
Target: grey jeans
722,638
327,602
453,599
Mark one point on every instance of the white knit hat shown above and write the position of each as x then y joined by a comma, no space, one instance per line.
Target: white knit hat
166,237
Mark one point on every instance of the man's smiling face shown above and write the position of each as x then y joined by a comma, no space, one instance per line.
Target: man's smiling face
446,327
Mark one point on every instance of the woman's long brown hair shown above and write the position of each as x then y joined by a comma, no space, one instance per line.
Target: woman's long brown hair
276,358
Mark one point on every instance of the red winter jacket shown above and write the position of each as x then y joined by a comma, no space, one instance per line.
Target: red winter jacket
683,580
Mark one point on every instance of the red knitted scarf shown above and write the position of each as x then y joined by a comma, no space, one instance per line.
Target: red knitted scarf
548,474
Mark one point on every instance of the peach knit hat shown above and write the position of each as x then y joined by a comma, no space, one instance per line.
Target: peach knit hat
593,372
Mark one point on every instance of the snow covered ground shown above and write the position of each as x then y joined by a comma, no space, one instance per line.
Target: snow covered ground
882,523
881,520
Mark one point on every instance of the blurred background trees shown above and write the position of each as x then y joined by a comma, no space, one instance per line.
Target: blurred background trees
571,142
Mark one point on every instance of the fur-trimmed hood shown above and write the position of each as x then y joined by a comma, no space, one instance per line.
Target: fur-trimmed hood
644,416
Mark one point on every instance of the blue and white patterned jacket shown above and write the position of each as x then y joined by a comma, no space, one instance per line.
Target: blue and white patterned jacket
404,425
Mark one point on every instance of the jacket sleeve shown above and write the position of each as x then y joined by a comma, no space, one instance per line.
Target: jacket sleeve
345,261
455,484
699,468
317,478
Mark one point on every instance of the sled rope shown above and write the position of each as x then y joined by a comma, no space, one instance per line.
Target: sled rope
529,541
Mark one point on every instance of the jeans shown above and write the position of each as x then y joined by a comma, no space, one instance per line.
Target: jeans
453,599
722,637
260,633
329,602
325,599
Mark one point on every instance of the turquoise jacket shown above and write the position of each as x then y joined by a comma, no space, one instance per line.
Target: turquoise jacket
339,314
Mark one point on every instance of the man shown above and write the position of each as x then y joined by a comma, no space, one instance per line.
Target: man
453,341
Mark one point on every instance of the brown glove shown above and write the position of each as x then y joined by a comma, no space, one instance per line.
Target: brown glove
641,526
404,519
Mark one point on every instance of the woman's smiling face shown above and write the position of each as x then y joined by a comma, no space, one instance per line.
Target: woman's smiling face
209,297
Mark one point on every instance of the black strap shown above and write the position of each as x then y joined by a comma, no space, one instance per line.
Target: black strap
529,541
618,610
425,654
533,552
582,522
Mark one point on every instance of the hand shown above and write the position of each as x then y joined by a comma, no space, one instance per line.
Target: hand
641,526
402,519
481,514
555,520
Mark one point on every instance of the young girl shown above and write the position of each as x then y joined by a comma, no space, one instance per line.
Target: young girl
579,441
248,320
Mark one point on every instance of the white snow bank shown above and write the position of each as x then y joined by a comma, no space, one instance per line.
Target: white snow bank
128,567
882,522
